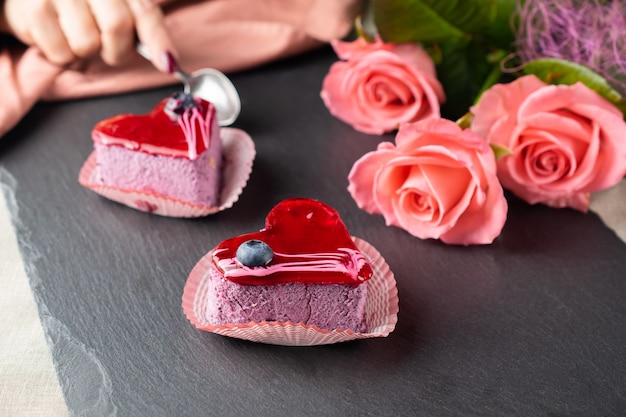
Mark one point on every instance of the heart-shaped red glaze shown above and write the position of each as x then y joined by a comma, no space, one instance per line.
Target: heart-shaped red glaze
311,244
154,133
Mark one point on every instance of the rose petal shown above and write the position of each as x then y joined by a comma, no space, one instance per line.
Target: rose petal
415,198
536,144
381,68
576,200
387,182
481,223
551,98
444,188
415,56
566,140
448,185
357,49
411,135
548,163
610,166
497,108
378,89
563,123
362,176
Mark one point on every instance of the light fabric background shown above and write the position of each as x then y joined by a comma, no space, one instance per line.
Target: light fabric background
610,205
28,382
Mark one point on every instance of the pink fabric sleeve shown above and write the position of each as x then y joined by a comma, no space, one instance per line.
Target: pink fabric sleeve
229,35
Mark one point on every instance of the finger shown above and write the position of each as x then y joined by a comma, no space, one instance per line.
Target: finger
152,32
76,21
117,30
48,35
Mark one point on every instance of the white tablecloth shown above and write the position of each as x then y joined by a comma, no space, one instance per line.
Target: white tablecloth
610,205
28,383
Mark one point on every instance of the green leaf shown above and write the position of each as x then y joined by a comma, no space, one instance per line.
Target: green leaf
500,151
442,21
465,121
559,71
462,72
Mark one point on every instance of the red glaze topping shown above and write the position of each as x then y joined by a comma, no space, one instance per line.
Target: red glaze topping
311,244
155,132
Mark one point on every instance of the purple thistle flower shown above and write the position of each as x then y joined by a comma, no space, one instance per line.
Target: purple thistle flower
589,32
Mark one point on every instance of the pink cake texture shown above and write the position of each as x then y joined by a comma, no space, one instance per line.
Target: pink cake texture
316,275
328,307
174,153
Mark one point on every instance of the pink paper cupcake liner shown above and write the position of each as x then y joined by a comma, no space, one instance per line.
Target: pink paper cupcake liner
381,309
238,152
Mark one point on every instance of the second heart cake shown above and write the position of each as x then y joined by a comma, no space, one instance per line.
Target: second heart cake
303,267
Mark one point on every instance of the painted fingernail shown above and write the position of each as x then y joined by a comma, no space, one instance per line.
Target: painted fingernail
169,64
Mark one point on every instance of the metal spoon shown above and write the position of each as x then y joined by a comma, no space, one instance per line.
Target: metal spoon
211,85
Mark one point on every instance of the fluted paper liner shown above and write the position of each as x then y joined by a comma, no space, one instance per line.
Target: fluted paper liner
238,152
381,309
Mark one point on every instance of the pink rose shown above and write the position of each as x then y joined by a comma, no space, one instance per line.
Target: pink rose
565,141
438,181
379,85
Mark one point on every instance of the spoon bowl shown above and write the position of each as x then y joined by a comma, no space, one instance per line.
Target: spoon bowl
208,84
212,85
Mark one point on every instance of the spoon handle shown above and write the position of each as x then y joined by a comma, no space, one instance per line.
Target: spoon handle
172,65
143,51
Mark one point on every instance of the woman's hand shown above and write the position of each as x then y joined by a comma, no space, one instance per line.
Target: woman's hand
67,30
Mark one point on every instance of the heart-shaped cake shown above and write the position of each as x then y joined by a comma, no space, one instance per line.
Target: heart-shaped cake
160,131
174,151
303,267
310,244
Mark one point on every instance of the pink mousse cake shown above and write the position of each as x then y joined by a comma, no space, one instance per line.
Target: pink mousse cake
303,267
174,151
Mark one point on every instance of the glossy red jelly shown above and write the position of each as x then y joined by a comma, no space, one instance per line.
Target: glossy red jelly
299,230
154,133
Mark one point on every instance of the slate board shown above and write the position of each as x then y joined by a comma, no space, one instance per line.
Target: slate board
531,325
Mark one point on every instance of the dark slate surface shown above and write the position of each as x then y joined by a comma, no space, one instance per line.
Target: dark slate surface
533,325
